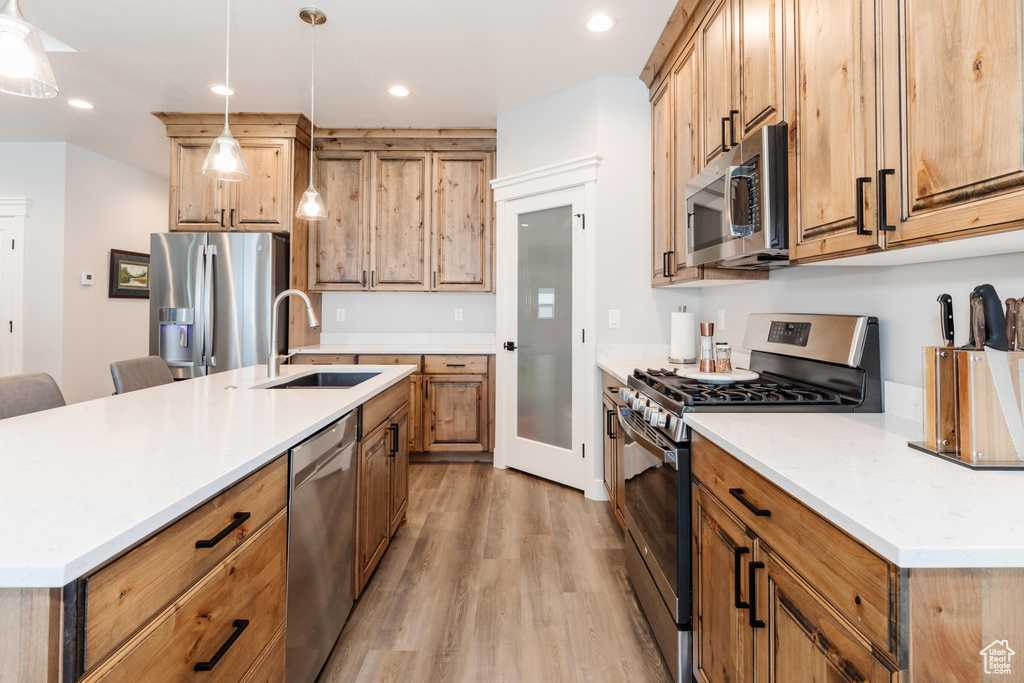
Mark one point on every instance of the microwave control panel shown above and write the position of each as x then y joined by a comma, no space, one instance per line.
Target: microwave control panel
794,334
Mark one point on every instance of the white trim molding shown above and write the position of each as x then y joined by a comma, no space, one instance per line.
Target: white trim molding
571,173
15,206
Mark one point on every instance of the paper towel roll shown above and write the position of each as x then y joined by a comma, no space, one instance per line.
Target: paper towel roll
683,348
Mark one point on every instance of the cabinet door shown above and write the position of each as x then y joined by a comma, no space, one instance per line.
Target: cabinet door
455,412
959,127
263,202
416,413
609,449
802,640
373,509
339,247
757,63
197,202
398,469
832,129
716,81
400,207
461,222
662,181
685,153
723,636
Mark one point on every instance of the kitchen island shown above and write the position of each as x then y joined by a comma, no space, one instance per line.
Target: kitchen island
84,483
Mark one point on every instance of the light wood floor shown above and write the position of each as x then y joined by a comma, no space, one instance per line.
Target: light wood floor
498,576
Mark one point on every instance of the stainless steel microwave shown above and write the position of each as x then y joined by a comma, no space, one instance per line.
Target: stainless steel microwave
737,206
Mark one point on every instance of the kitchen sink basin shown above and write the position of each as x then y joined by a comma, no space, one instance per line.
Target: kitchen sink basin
325,380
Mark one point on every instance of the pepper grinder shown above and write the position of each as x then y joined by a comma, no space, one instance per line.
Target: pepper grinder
707,347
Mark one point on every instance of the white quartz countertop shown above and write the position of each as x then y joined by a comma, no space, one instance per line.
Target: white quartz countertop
858,472
400,349
85,482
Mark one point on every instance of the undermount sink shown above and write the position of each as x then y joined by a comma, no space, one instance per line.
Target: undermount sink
324,380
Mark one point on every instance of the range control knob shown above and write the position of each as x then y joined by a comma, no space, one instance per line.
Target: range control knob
639,403
626,395
658,418
648,411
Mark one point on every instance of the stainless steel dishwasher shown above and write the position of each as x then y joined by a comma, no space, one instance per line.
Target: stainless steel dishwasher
321,545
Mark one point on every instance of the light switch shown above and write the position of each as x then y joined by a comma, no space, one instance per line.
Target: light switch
458,315
614,318
340,315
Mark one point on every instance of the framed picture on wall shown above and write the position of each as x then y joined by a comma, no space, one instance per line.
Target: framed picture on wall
129,275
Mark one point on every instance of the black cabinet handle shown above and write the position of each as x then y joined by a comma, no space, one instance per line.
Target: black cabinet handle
372,279
364,278
435,280
671,263
608,423
725,147
738,554
231,221
222,219
394,440
732,127
240,518
861,182
883,201
754,621
239,625
738,495
456,365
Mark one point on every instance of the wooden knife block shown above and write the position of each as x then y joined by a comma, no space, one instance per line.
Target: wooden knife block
983,432
941,399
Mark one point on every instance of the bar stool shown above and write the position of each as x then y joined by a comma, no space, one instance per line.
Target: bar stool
139,373
23,394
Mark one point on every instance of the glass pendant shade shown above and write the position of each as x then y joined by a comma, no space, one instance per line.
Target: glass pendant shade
311,207
24,67
225,162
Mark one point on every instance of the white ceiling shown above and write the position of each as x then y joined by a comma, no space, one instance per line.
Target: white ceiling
465,62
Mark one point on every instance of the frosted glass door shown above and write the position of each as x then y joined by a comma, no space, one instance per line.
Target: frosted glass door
544,361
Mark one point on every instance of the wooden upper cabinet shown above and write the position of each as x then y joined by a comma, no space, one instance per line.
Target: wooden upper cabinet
261,201
954,119
685,155
339,245
399,235
461,226
833,129
197,202
714,36
758,64
662,183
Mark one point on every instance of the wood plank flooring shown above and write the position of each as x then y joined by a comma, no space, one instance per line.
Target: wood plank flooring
498,576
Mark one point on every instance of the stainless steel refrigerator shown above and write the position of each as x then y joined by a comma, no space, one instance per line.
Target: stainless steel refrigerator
210,299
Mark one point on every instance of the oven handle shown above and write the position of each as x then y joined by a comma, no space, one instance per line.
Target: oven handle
668,457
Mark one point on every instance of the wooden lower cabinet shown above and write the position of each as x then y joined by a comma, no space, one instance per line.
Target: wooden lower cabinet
373,506
322,359
614,472
398,469
802,637
455,413
723,638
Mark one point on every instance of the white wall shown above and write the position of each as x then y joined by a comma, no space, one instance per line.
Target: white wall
610,116
902,297
412,312
37,171
108,205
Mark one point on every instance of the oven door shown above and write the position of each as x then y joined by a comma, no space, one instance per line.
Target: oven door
657,499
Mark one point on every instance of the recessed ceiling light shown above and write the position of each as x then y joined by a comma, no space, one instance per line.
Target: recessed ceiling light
222,90
398,91
81,104
599,23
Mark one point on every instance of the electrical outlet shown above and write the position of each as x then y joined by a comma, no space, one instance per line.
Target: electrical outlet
614,318
458,315
340,316
720,326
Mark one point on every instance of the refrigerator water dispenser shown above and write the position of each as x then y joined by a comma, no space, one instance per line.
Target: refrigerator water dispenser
176,327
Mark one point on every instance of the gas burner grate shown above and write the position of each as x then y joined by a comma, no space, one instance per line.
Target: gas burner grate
778,393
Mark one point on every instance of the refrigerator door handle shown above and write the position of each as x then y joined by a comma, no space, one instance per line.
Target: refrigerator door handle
199,351
208,313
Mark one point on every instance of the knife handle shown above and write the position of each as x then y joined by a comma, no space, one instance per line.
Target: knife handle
1011,324
977,323
995,320
946,304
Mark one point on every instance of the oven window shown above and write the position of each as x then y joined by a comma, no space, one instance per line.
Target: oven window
651,499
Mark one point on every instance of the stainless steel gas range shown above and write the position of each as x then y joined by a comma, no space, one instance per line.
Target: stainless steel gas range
804,362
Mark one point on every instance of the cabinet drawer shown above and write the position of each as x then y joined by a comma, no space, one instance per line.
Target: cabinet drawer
381,406
322,359
378,359
249,588
860,584
130,591
269,667
448,365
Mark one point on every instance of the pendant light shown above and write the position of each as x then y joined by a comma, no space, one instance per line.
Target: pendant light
225,161
24,68
311,207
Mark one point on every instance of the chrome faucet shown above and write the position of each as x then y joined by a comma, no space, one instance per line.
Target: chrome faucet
276,360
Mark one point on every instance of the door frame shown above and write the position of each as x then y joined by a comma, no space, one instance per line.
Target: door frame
13,217
580,172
